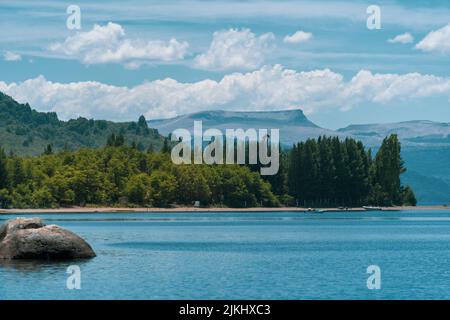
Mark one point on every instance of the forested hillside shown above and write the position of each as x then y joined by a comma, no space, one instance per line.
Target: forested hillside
24,131
324,172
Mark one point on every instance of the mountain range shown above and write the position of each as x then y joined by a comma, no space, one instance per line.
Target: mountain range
295,126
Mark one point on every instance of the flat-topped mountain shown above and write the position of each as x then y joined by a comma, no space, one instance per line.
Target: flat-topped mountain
293,124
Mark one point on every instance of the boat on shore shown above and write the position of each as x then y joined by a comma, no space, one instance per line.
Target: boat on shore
372,208
315,210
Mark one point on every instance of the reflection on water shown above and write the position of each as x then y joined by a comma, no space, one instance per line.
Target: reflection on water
28,266
244,255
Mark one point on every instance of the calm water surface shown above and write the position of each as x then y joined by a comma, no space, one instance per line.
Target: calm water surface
252,255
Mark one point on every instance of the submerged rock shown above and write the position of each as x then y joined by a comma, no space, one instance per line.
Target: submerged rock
30,238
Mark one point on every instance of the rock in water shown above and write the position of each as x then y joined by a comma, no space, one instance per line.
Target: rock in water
31,239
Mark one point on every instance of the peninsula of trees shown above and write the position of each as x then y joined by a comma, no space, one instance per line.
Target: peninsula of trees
322,172
52,163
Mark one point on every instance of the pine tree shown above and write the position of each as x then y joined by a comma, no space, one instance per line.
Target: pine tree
120,140
166,147
48,150
327,171
3,169
388,166
408,196
110,142
142,122
18,172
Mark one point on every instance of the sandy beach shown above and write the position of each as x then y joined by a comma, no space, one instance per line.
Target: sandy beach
193,209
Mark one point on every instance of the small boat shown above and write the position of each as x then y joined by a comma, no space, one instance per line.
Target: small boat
311,210
372,208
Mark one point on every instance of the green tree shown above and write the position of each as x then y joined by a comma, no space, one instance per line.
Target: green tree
42,198
166,146
408,196
17,171
5,198
48,150
137,189
387,168
142,122
162,188
3,170
192,185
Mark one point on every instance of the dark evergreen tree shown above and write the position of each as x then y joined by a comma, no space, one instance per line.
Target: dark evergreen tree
142,122
120,140
408,196
166,146
387,168
3,169
48,150
111,140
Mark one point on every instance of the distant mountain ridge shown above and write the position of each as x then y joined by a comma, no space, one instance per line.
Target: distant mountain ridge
293,124
25,131
416,132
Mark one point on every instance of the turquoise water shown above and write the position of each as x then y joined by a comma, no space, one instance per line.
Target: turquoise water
252,255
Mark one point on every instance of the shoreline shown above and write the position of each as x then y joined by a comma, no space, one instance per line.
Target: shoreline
192,209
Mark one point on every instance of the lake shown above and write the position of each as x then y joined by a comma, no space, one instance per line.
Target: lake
244,255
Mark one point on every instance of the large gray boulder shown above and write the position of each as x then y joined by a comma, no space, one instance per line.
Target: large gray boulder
30,238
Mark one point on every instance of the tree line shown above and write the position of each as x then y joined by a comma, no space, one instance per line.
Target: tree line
317,172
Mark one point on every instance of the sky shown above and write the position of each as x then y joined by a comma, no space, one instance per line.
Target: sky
166,58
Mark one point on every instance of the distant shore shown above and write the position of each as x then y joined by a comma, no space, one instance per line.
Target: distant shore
193,209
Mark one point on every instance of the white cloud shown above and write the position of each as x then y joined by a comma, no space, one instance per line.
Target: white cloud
385,88
11,56
402,38
108,44
297,37
437,41
268,88
235,49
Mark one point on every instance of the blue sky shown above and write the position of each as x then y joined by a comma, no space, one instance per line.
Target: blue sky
163,58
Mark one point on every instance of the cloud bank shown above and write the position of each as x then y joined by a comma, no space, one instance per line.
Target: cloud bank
268,88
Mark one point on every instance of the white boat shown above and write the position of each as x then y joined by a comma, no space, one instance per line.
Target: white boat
372,208
311,210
